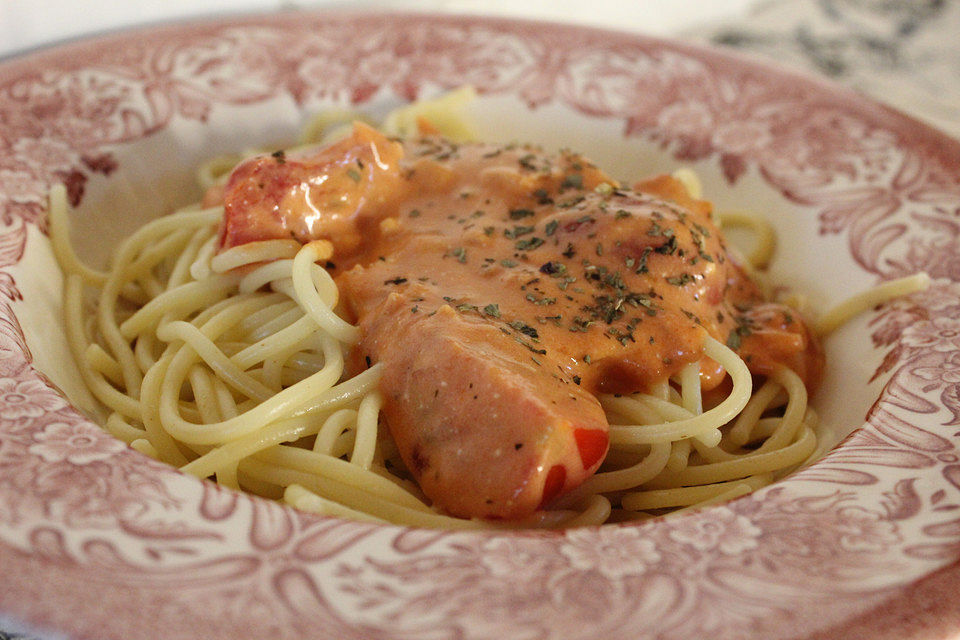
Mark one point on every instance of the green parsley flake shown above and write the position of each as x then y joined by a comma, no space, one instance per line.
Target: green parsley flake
517,231
529,243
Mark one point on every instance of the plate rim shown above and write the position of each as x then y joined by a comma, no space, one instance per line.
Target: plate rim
252,18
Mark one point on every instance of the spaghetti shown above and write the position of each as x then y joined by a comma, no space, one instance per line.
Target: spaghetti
236,361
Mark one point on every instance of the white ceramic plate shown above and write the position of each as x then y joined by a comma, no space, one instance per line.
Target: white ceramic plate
97,541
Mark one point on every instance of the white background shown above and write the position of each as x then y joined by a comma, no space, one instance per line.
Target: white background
25,24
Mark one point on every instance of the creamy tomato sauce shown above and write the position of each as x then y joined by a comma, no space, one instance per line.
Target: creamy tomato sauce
503,288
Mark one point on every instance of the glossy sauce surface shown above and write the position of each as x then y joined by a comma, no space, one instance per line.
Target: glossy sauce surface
503,288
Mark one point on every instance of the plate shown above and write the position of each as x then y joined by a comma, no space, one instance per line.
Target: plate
97,540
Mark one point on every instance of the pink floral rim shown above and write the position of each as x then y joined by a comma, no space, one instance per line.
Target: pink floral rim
99,542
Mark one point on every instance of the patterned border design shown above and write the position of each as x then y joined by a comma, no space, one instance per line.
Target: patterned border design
98,540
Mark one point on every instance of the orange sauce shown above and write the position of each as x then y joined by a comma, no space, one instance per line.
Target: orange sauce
503,288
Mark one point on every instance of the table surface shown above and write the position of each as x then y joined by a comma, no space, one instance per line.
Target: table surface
904,53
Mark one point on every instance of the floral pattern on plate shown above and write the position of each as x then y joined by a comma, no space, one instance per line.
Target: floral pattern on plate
99,541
